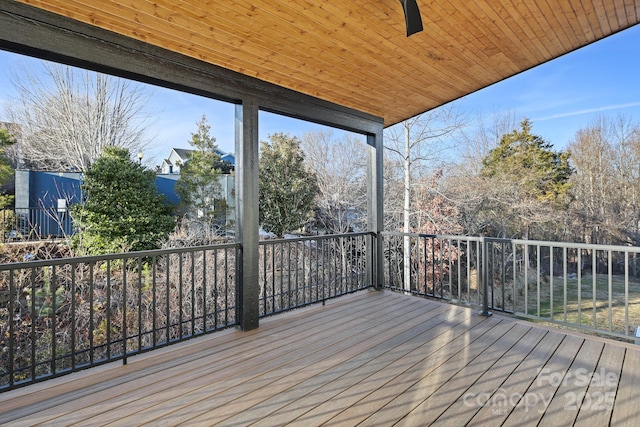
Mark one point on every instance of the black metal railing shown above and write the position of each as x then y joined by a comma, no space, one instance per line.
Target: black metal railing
59,316
443,267
302,271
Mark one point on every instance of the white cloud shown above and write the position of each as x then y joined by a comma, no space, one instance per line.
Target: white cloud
589,111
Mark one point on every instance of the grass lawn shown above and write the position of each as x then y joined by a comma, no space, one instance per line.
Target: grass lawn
574,304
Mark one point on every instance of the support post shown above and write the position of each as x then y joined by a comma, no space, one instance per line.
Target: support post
485,278
375,206
246,142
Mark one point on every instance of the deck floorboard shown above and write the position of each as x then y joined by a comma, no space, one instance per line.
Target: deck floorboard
372,358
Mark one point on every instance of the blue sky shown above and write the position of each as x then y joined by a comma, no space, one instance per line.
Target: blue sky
560,97
565,94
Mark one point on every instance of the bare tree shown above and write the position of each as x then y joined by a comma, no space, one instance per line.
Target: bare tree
435,212
417,142
476,198
627,137
340,166
606,185
67,116
479,139
418,146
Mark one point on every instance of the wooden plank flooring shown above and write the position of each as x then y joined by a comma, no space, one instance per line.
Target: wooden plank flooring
371,359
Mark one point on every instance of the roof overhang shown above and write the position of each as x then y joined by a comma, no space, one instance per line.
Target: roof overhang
356,53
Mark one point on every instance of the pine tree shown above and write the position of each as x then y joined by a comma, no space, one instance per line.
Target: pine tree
526,185
199,187
529,161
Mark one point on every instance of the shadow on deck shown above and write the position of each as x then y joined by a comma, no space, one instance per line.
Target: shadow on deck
371,358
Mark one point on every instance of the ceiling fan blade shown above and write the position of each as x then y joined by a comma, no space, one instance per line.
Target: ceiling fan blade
412,16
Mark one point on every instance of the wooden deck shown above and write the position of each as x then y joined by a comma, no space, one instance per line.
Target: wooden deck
373,358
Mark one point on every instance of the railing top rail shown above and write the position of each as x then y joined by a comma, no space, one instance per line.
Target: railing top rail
599,247
125,255
317,237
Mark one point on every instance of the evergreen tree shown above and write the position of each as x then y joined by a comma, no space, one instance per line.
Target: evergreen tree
529,161
199,184
123,210
6,170
287,188
526,185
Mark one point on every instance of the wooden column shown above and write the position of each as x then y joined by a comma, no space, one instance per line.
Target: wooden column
248,289
375,204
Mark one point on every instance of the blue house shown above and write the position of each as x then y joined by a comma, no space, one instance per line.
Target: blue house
43,199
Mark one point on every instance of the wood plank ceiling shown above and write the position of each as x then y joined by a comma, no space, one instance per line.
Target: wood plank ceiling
356,53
